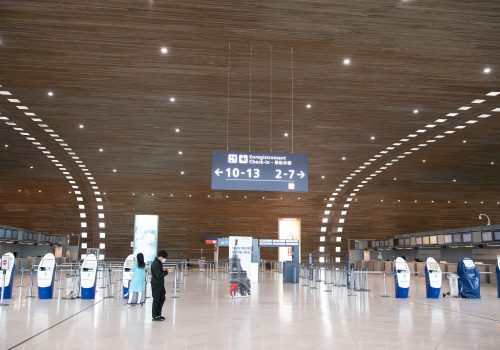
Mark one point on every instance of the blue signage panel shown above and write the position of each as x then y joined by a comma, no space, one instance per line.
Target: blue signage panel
280,172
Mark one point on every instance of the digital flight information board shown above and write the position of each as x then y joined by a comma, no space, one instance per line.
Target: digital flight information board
243,171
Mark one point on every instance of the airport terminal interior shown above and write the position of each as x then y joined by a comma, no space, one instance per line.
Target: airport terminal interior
321,174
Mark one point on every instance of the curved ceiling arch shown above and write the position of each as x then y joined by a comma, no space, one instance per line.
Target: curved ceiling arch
90,236
479,109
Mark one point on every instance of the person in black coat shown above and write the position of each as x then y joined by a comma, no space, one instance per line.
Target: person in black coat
158,285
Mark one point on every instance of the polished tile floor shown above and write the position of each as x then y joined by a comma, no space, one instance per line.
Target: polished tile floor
277,316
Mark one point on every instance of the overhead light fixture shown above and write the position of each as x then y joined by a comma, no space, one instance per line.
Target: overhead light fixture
164,50
344,158
50,94
487,70
415,111
177,130
182,172
114,170
172,99
285,134
81,126
347,61
372,138
308,106
101,150
180,153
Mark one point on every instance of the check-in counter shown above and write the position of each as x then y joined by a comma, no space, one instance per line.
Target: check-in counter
483,278
388,266
451,267
420,266
493,275
371,265
379,266
412,267
364,264
443,267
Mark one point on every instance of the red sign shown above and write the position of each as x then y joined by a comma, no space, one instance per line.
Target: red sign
210,241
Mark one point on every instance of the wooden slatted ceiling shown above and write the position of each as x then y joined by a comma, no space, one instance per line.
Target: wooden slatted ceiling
102,61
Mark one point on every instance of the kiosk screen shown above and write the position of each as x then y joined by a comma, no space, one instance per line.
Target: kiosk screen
433,266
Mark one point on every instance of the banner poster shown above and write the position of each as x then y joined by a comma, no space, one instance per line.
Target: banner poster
146,236
288,228
240,262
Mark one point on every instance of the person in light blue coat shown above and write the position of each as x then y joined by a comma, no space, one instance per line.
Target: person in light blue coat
138,282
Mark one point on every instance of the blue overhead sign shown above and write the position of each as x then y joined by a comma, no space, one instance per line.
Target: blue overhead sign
280,172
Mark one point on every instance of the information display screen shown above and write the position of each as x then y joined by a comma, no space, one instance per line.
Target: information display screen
425,240
497,235
467,237
243,171
433,240
448,239
487,236
457,238
418,240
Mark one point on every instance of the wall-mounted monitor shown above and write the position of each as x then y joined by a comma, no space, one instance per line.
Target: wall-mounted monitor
418,240
407,241
457,238
440,239
487,236
425,240
448,239
496,235
2,232
467,237
433,240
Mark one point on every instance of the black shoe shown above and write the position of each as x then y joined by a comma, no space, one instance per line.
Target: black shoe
157,318
161,318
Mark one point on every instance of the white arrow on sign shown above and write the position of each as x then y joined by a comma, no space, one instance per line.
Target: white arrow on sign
218,172
301,174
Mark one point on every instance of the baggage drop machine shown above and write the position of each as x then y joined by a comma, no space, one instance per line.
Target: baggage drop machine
468,279
88,277
401,278
433,278
128,265
45,276
7,277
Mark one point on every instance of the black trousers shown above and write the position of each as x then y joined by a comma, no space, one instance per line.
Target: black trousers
158,299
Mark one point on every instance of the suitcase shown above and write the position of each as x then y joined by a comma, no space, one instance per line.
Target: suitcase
136,298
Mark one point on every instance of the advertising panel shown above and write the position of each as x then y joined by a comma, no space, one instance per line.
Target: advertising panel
146,236
288,228
240,263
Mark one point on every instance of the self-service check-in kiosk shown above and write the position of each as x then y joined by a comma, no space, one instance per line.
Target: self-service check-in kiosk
88,275
433,278
45,276
401,278
128,265
468,279
7,277
498,277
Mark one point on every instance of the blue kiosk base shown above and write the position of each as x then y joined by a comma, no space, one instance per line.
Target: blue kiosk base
45,292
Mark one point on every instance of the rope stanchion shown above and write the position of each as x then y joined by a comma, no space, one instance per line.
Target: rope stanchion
385,287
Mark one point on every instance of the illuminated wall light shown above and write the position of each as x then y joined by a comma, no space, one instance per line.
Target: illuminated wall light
487,70
84,245
322,238
83,224
323,229
338,239
337,249
163,50
321,259
337,259
102,245
340,229
321,249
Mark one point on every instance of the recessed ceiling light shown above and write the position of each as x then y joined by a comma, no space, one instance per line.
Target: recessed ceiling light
416,201
81,126
281,198
415,111
344,158
177,130
449,202
464,141
441,120
285,134
180,153
133,194
465,202
432,201
492,163
114,170
172,99
395,179
227,196
298,198
182,172
208,196
20,191
190,196
487,70
245,197
399,200
372,138
152,194
164,50
50,94
381,200
101,150
308,106
31,167
39,191
454,180
6,146
322,176
347,61
482,202
171,194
